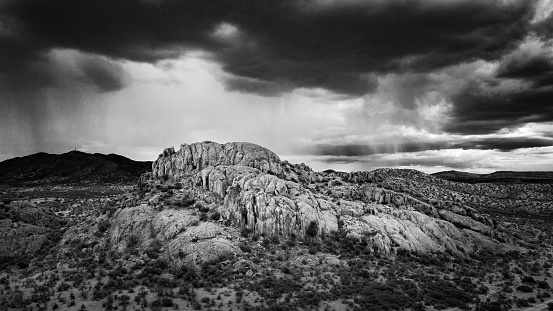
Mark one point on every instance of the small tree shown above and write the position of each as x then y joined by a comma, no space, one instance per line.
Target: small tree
312,229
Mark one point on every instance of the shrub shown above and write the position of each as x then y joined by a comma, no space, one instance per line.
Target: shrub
245,232
543,285
203,216
215,216
524,289
522,303
194,223
528,280
202,208
103,225
245,248
132,241
312,229
188,201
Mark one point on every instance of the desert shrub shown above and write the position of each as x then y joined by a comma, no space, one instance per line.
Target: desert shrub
528,280
524,289
245,248
215,216
482,290
202,208
203,216
507,289
490,306
543,285
132,241
446,293
188,201
245,232
312,229
272,288
103,225
194,223
376,296
521,302
63,287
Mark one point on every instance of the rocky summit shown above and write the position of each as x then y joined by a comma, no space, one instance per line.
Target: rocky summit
233,227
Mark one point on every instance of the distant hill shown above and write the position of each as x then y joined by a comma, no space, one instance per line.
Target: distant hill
71,167
497,177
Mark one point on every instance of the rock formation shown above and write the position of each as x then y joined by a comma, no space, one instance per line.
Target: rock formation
186,240
25,228
252,188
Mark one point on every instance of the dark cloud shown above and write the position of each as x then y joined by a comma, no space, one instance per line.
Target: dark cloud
480,110
106,76
378,161
535,66
504,144
249,85
525,67
336,46
520,91
357,150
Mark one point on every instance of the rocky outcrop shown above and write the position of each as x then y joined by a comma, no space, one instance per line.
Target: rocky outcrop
267,204
258,190
391,229
24,228
253,189
276,207
20,239
195,157
185,239
461,216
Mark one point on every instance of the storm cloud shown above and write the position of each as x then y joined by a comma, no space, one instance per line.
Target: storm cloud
287,44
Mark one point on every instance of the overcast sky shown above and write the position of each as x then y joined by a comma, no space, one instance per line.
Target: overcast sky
343,84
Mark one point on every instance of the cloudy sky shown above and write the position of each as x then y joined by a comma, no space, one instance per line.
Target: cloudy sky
343,84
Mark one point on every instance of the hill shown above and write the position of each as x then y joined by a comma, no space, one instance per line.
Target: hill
498,177
71,167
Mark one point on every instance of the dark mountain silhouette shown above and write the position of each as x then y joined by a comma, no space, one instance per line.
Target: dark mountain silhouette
497,177
71,167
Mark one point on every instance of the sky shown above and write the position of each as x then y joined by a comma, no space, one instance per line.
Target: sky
336,84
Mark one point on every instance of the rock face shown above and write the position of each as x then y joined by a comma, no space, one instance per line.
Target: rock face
267,204
20,239
24,228
252,188
186,239
259,191
195,157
